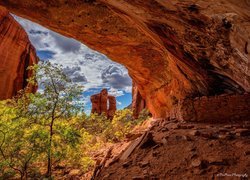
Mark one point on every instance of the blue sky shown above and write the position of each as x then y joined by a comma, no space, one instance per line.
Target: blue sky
83,65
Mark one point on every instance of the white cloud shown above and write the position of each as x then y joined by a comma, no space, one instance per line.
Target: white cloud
115,92
118,102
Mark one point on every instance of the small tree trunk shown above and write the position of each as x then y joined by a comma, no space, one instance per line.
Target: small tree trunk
49,166
22,175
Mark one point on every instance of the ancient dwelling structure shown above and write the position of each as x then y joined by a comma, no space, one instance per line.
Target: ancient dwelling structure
103,103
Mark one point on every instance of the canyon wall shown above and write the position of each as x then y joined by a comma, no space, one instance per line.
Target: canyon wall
16,54
173,50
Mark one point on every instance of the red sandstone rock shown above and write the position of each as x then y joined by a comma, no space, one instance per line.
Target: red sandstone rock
16,54
103,103
112,107
172,49
138,103
95,100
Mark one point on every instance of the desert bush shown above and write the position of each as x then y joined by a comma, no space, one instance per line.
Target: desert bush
143,115
112,131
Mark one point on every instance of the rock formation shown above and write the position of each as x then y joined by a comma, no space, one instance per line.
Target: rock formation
103,103
95,100
16,54
173,50
138,103
112,107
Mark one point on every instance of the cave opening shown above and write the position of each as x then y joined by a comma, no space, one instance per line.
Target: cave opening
84,66
190,62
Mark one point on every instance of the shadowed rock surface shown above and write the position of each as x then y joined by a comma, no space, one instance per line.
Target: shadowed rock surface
138,103
173,50
16,55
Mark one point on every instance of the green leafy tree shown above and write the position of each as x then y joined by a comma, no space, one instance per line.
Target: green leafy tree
55,102
40,121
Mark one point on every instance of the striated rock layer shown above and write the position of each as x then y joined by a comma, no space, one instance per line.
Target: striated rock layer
173,50
16,54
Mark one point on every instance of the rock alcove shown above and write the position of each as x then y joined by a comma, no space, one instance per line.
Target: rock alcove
175,51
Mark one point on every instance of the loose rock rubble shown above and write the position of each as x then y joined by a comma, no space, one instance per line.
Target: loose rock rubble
186,150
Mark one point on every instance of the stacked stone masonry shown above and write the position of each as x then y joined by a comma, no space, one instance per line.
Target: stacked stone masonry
223,108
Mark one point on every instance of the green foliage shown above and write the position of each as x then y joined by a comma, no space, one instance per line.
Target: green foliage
111,131
19,142
48,128
36,126
144,114
95,124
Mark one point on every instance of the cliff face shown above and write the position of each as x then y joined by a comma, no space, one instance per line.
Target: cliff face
138,103
16,54
173,49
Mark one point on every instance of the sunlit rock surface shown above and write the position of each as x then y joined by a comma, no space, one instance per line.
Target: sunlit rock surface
16,54
173,50
102,103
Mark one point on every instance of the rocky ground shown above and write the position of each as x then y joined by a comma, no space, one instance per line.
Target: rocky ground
180,150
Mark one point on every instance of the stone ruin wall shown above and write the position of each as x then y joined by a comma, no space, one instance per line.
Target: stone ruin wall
223,108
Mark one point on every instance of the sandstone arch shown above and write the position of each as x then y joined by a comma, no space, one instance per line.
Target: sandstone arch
172,49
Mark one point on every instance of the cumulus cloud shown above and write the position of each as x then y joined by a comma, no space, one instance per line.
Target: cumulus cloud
75,74
65,44
115,92
77,77
116,78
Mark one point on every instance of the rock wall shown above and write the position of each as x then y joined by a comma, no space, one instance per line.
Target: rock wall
16,54
223,108
173,50
103,103
138,103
